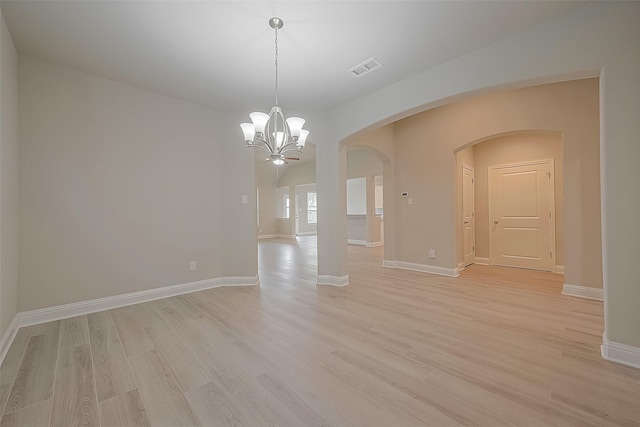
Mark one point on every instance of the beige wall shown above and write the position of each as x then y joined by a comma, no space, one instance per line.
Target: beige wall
236,163
363,161
298,174
8,180
120,189
516,149
426,168
285,227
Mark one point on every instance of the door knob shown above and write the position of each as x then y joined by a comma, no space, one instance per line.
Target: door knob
466,222
495,221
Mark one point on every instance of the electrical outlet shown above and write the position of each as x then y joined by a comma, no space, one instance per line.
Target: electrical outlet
432,253
192,266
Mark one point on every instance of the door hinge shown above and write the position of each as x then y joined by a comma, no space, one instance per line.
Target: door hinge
549,214
550,254
549,174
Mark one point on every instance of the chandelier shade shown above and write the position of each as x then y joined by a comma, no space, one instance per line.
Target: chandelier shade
272,132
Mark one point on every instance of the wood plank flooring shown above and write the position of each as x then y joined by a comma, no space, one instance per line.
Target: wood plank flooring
495,346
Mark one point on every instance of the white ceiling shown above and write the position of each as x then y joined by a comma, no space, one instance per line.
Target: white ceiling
221,53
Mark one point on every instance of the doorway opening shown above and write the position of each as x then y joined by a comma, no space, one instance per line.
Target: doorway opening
510,201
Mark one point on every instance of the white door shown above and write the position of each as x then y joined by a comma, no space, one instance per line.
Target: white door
468,215
522,215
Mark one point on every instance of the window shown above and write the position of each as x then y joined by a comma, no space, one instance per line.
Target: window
312,208
283,202
286,206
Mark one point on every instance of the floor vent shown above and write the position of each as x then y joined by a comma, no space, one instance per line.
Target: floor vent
366,67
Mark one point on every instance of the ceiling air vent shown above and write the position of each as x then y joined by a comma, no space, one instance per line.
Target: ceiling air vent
366,67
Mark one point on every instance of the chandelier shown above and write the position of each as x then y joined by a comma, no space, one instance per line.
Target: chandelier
272,132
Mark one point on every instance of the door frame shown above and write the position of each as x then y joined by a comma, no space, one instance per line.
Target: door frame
552,206
296,218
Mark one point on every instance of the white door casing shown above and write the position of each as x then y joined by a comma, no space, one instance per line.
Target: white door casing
468,215
522,215
297,218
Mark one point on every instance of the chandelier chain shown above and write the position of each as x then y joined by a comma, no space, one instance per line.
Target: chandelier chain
276,61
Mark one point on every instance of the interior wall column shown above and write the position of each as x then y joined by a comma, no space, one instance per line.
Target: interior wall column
331,185
371,235
619,154
388,212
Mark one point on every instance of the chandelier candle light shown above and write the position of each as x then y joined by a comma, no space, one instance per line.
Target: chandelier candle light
272,132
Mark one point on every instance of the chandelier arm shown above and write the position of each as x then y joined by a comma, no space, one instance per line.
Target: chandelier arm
265,145
292,146
265,148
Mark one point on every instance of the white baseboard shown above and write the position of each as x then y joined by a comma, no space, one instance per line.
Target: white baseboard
432,269
65,311
374,244
583,292
8,337
485,261
276,236
620,353
324,279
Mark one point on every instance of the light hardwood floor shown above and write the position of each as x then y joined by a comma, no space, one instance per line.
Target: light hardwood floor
493,347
